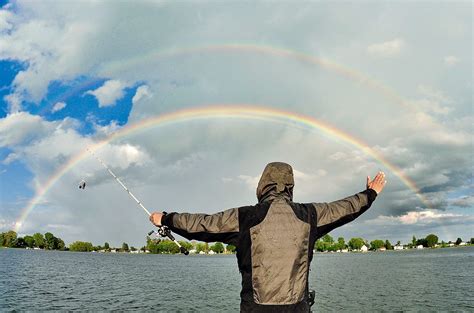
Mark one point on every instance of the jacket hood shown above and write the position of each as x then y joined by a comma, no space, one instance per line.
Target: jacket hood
277,179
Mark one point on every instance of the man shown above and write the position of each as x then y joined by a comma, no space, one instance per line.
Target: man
274,238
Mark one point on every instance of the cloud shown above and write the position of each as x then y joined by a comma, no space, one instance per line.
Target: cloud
5,19
58,107
387,49
418,217
142,93
416,119
14,102
451,60
109,93
463,202
21,128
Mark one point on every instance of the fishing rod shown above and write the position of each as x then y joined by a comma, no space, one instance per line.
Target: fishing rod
163,230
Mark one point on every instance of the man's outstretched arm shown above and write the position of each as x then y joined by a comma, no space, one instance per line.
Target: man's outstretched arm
222,226
334,214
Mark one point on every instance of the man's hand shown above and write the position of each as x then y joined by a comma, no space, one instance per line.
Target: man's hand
155,218
378,183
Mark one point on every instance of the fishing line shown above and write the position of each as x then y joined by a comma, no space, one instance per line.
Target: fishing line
162,231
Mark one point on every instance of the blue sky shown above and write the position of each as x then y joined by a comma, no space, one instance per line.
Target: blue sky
74,73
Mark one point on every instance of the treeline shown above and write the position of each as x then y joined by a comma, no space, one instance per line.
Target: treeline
328,244
47,241
159,246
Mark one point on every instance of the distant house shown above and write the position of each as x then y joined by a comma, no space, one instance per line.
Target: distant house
398,247
463,243
364,248
345,250
419,247
192,251
383,249
451,244
212,252
202,252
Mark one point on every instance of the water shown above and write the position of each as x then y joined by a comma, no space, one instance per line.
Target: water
440,279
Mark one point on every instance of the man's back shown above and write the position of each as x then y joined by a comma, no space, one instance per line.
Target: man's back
274,238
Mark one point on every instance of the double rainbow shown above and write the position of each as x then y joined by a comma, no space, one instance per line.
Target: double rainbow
223,111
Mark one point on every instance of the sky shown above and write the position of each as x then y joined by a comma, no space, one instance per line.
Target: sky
392,79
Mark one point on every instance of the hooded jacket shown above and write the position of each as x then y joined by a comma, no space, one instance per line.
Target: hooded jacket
274,238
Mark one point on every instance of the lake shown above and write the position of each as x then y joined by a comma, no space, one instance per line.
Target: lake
430,279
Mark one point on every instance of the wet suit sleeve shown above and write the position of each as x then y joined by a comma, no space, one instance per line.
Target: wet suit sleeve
222,226
334,214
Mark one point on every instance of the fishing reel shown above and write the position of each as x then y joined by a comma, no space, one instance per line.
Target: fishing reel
165,232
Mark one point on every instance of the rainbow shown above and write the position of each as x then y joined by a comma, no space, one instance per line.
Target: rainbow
227,111
112,68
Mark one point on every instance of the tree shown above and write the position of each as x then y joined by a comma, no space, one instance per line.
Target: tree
472,241
152,245
218,247
20,242
29,241
327,238
376,244
322,246
125,247
431,240
80,246
9,239
186,244
231,248
458,241
51,241
341,244
356,243
167,246
388,245
39,240
61,245
106,246
413,241
422,242
200,246
1,239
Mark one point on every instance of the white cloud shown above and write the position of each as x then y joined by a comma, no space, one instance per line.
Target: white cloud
250,181
415,217
58,107
451,60
109,93
20,128
5,20
11,157
463,202
387,49
14,102
143,92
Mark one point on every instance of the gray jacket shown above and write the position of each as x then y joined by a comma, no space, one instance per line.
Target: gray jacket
274,238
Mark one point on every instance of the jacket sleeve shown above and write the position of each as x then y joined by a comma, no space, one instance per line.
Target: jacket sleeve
222,226
337,213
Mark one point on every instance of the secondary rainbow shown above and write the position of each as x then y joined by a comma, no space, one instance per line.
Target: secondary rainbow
114,67
229,111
